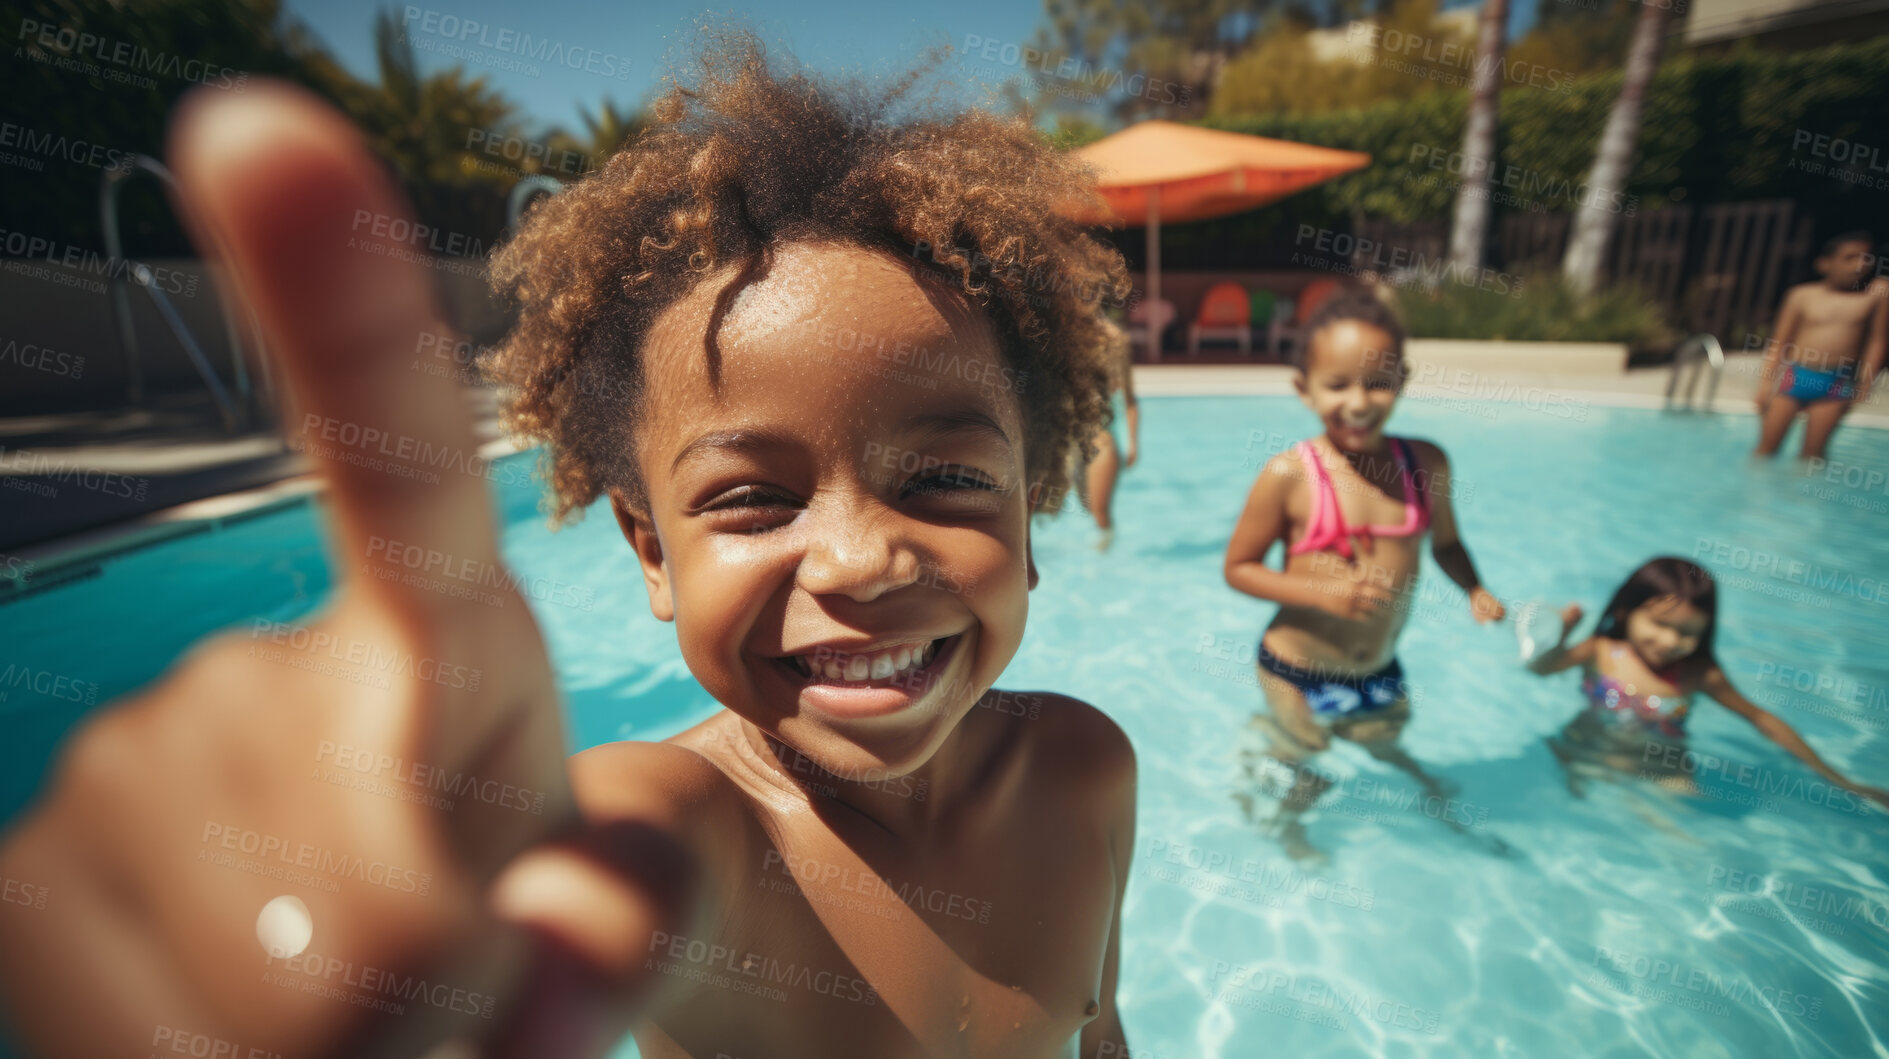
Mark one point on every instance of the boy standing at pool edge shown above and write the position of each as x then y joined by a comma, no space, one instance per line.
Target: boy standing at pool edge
697,889
1826,331
1353,507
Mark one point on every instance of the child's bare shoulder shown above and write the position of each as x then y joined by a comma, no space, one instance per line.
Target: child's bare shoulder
1428,453
1811,291
1068,738
661,781
1280,473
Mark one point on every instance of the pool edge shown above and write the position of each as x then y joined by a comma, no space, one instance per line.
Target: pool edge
75,558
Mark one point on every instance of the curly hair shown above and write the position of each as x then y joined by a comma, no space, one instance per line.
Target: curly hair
749,159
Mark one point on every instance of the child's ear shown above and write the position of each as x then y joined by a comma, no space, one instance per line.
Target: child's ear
640,531
1298,387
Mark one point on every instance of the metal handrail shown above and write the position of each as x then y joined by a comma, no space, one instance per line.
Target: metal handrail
234,413
1703,350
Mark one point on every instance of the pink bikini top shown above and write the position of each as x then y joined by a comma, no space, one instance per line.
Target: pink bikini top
1326,528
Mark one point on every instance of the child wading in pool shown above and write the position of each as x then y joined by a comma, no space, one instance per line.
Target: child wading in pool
952,884
1649,655
1098,479
1353,507
1829,344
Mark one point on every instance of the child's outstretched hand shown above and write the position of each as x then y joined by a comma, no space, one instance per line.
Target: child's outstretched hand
148,836
1484,607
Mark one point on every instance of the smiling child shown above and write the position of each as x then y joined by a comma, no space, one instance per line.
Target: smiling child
845,552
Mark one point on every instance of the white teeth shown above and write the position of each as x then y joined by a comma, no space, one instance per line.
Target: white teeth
879,666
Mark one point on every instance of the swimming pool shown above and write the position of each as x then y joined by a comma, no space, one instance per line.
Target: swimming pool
1753,920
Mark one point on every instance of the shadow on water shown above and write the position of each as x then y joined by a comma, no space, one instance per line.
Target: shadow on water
1281,797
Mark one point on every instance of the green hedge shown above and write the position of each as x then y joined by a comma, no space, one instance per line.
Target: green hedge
1544,310
1717,129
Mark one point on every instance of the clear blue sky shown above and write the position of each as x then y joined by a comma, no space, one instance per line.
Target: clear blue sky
864,36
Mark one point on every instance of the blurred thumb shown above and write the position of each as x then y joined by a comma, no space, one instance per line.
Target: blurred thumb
595,904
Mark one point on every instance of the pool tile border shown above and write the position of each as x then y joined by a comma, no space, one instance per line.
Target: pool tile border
79,557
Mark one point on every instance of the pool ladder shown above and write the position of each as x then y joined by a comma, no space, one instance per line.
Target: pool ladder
234,410
1698,355
525,192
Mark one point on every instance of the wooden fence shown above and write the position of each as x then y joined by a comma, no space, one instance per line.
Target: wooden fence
1720,268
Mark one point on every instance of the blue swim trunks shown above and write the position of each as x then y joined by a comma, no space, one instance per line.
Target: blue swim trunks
1807,385
1333,696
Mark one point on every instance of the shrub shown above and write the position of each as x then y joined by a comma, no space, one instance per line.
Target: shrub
1544,310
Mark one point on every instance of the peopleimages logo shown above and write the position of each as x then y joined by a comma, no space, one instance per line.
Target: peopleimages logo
713,964
1439,52
1357,255
1319,994
22,246
1817,900
73,47
472,32
363,985
50,145
869,884
1531,184
279,852
1658,971
1676,758
169,1040
1087,78
1811,576
45,682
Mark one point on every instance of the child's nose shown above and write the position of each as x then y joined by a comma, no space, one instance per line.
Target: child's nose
863,558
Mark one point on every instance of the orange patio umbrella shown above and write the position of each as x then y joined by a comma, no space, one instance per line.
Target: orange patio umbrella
1158,170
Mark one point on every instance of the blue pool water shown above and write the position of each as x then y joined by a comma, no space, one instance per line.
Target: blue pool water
1618,924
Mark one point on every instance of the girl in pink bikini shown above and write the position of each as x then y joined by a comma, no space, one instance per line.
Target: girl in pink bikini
1649,655
1353,507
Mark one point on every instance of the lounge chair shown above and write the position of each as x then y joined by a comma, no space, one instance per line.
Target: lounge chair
1225,314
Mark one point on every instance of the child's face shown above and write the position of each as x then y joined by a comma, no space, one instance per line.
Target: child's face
1847,264
1353,374
840,531
1666,629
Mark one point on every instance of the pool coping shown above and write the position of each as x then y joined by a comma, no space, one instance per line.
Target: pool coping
67,559
1275,380
78,557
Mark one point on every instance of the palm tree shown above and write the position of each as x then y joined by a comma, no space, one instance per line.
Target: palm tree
571,155
611,128
1470,229
424,126
1171,50
1594,223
